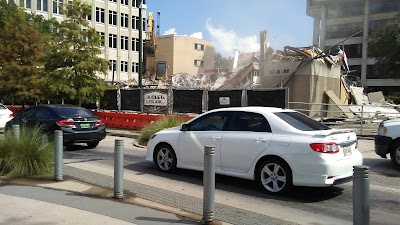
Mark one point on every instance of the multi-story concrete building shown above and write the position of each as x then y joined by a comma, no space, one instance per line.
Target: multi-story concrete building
116,21
336,20
185,54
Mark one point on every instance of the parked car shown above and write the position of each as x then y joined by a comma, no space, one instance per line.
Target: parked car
279,148
5,115
78,124
387,141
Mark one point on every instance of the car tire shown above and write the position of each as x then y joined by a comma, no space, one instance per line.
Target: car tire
395,155
93,144
274,176
165,158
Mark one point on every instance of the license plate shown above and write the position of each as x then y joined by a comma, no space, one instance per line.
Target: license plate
347,151
85,125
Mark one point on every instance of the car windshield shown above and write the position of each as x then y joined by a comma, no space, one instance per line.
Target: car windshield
73,112
301,121
2,107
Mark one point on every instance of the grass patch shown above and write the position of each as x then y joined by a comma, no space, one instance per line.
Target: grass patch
161,124
30,154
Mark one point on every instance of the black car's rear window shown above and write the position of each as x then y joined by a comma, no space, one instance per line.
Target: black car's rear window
301,121
72,112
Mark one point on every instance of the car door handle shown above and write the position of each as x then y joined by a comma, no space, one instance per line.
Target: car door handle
24,120
261,140
215,138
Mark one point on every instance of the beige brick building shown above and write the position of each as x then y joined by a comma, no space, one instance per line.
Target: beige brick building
185,54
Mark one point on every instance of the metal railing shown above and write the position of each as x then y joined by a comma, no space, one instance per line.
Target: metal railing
363,119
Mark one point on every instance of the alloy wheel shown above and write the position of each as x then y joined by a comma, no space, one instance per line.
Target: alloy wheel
273,177
165,159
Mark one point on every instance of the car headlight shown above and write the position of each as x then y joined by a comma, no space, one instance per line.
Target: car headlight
152,136
382,130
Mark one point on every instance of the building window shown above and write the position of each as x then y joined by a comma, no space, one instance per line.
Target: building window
89,17
136,3
135,44
198,47
124,2
113,65
99,15
135,22
135,67
26,3
112,17
198,63
112,40
101,38
124,66
57,6
124,43
113,1
85,36
343,30
286,71
381,6
124,20
42,5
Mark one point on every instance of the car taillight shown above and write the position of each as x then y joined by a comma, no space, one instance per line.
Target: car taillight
98,123
11,115
329,147
66,123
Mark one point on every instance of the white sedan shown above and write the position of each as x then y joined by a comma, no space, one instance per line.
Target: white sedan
5,115
279,148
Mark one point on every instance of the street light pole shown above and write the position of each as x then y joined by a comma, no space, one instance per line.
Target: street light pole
141,7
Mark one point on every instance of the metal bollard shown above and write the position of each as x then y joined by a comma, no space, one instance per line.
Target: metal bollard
361,195
209,184
118,169
16,130
58,155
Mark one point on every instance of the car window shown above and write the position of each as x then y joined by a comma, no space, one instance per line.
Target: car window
2,107
72,112
27,114
248,121
301,121
213,121
43,113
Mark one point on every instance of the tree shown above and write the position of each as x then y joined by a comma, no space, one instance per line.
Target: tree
73,60
384,45
21,56
222,62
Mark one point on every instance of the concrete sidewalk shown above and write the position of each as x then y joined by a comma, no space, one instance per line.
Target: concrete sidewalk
40,200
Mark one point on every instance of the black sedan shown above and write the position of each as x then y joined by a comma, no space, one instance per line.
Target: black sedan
78,124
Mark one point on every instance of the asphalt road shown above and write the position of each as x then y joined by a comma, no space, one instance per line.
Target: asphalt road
334,202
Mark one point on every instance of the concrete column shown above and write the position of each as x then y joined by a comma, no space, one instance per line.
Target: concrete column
317,22
323,27
364,59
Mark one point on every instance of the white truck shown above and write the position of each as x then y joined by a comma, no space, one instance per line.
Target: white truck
387,141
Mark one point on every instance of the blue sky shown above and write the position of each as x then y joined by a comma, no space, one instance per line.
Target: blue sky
236,24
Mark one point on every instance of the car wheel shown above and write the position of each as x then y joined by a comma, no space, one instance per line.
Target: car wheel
165,158
274,176
395,156
93,144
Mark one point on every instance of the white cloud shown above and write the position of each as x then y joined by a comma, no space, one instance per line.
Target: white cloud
197,35
226,41
170,31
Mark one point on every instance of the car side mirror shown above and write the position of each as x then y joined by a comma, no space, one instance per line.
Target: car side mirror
185,127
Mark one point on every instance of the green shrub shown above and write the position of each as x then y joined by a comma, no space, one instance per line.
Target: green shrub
27,155
161,124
